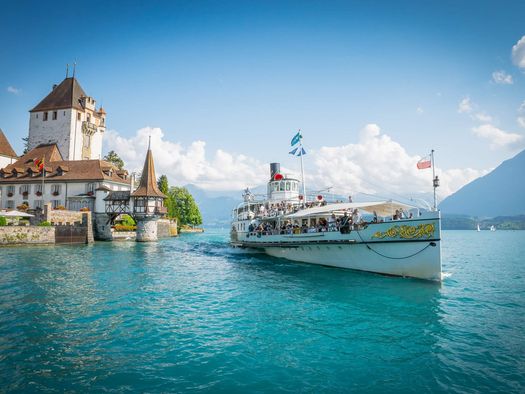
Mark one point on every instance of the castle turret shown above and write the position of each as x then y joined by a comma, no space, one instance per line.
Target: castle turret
148,202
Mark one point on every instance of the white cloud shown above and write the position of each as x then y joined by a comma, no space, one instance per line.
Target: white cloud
521,109
497,137
465,106
482,117
420,110
521,121
379,165
375,164
12,89
183,165
502,78
518,53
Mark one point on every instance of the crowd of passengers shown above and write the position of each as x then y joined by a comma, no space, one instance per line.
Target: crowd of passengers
285,208
343,224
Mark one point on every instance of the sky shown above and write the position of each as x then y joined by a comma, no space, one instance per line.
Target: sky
222,87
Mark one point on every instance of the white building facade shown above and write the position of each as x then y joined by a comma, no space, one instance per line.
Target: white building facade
69,118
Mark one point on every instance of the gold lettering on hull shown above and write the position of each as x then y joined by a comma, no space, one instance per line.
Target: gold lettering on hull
407,232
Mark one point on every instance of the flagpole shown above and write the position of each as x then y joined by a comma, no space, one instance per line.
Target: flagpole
433,177
302,172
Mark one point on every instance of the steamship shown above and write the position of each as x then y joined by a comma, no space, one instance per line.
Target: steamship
385,237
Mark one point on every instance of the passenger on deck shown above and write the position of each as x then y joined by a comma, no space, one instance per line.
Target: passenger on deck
356,218
345,224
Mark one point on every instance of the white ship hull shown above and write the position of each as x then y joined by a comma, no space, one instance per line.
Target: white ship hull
408,248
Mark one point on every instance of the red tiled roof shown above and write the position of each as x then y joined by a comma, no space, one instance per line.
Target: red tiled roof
66,95
73,170
5,147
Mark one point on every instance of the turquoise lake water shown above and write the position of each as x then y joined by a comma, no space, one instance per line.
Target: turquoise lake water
190,314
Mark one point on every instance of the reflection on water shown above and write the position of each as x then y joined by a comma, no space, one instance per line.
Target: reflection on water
192,314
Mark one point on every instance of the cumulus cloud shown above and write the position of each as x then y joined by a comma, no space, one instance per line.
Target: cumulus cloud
521,121
13,90
191,164
498,138
376,164
465,106
379,165
518,53
502,78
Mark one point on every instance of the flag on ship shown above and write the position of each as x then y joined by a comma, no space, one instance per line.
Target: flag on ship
424,163
298,150
39,163
296,138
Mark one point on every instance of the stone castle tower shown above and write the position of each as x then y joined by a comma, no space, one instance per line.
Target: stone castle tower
148,202
69,118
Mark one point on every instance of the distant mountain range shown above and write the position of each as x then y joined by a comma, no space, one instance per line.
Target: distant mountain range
499,193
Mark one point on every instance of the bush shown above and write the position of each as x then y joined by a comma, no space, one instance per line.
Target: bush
3,221
127,221
121,227
45,223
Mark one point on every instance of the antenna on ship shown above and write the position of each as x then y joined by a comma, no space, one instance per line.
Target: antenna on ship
435,179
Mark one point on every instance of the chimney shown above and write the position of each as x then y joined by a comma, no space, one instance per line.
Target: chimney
54,86
275,168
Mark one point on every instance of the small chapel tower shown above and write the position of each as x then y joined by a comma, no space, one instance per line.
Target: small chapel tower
68,117
148,202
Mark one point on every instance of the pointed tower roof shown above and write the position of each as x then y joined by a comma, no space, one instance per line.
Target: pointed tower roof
5,147
148,181
66,95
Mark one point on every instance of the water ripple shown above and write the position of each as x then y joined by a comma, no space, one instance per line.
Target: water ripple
192,314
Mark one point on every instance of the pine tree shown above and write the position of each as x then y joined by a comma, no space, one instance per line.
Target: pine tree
114,158
162,183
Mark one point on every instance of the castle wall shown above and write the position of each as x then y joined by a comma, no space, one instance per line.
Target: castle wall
21,235
51,130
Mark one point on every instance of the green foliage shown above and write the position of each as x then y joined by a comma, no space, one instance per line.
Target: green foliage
26,145
3,221
127,221
181,205
162,183
45,223
114,158
121,227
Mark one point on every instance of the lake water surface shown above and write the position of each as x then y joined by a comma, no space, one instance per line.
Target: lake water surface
191,314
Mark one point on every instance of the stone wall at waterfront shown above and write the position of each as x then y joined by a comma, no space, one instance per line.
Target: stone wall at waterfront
21,235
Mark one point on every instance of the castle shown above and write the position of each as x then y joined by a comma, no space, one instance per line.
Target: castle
63,166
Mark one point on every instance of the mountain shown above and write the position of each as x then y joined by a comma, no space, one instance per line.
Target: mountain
499,193
215,208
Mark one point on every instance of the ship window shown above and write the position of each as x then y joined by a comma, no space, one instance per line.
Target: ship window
281,186
294,186
287,186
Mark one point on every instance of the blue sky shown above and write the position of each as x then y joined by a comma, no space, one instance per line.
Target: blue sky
242,76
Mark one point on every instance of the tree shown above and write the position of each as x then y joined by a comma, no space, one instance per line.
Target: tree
162,183
114,158
181,205
26,145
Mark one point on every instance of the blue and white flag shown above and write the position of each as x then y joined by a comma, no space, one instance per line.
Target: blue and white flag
296,139
299,151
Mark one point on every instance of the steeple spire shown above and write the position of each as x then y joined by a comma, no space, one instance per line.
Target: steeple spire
148,181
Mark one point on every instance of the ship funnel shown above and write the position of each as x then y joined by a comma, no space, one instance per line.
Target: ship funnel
275,168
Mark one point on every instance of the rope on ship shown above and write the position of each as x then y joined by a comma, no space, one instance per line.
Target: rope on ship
390,257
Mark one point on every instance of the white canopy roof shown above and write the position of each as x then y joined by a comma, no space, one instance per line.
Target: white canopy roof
15,214
382,208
